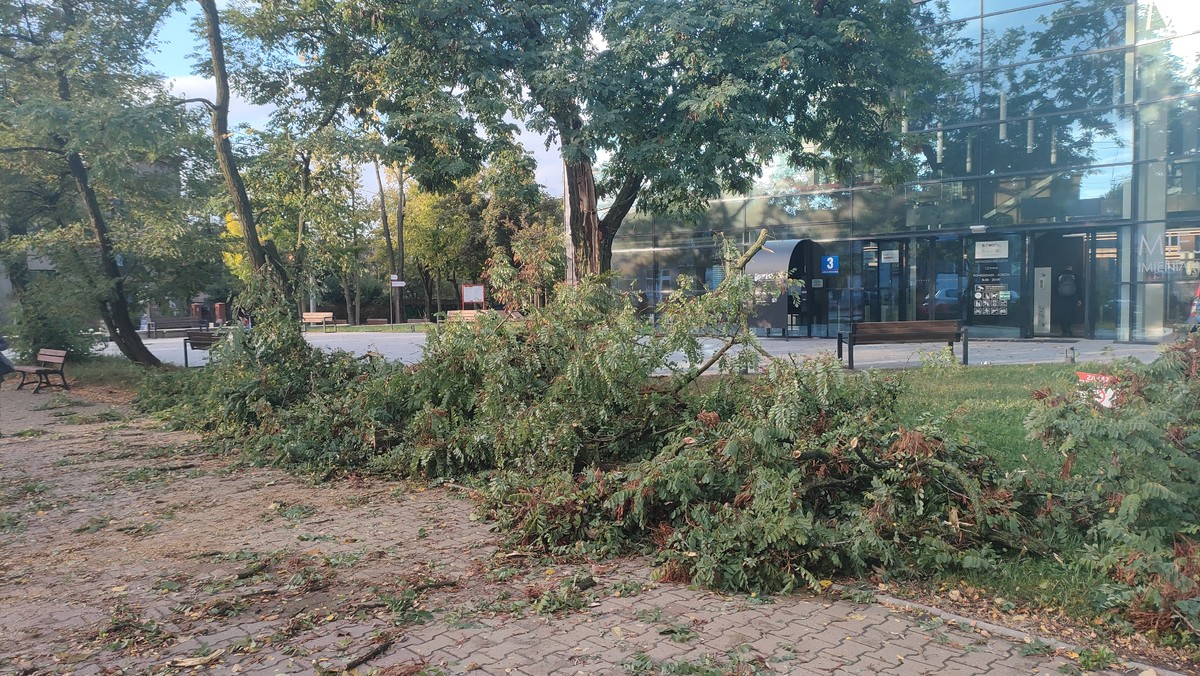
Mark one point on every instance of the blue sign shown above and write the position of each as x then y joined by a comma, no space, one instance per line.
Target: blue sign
829,265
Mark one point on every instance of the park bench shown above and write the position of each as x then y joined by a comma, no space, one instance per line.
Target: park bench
376,321
462,315
198,340
325,319
948,331
49,362
164,324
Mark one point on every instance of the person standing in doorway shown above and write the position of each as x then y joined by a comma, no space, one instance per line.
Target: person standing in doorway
1067,290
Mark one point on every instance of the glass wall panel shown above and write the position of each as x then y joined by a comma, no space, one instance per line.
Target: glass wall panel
932,206
1182,248
994,305
1091,195
936,283
843,291
958,104
990,6
956,9
949,153
1166,18
1074,83
877,211
1051,31
1045,143
1106,317
1168,68
956,44
1183,188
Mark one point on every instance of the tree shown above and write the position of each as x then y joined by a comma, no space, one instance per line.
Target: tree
78,102
687,100
259,255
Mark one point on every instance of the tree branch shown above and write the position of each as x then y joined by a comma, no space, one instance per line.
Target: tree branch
31,149
740,265
200,99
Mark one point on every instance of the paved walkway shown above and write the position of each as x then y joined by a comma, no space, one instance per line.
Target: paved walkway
130,549
407,347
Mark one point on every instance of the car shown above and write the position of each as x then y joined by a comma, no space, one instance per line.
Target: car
944,304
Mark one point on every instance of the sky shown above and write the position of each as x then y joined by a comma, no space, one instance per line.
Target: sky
178,48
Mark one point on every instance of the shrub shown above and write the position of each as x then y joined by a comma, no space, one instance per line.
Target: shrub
1139,500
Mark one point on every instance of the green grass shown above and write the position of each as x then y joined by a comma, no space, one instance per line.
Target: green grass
990,403
109,371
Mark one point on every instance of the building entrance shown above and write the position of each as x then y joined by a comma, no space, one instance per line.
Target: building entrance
1060,284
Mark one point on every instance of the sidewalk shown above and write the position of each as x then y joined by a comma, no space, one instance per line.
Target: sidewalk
407,347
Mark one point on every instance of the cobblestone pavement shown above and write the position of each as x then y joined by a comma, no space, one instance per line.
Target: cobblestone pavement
129,549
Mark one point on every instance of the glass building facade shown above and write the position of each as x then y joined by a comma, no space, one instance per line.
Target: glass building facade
1070,138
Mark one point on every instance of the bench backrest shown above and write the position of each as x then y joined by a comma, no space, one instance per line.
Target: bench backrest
201,340
936,330
178,322
48,356
461,315
314,317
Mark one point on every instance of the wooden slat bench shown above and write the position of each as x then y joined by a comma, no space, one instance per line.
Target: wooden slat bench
376,321
948,331
198,340
325,319
163,324
462,315
49,362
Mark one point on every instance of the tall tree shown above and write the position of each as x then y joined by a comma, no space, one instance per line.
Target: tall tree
259,255
76,93
684,100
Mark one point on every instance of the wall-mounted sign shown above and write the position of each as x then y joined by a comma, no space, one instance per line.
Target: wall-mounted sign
472,293
987,250
991,299
818,283
829,265
890,256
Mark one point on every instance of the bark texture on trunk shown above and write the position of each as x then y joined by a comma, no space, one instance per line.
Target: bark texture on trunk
259,255
387,238
401,204
114,308
583,222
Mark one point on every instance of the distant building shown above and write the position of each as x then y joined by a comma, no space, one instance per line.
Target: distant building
1071,139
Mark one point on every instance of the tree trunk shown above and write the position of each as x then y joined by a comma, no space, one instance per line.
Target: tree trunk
357,298
346,297
305,166
437,292
401,203
625,198
427,287
259,255
114,308
387,238
582,222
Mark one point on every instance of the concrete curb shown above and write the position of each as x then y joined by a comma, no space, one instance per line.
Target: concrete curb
1000,630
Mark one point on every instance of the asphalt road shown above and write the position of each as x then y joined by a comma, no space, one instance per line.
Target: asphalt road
408,347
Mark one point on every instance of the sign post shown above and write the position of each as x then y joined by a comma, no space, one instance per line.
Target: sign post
472,294
395,285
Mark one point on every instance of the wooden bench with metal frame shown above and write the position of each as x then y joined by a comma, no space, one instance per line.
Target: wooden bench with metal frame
164,324
49,362
325,319
949,331
198,340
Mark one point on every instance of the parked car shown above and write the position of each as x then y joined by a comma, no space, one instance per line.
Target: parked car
943,304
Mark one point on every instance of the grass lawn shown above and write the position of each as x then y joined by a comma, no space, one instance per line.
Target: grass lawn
989,403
